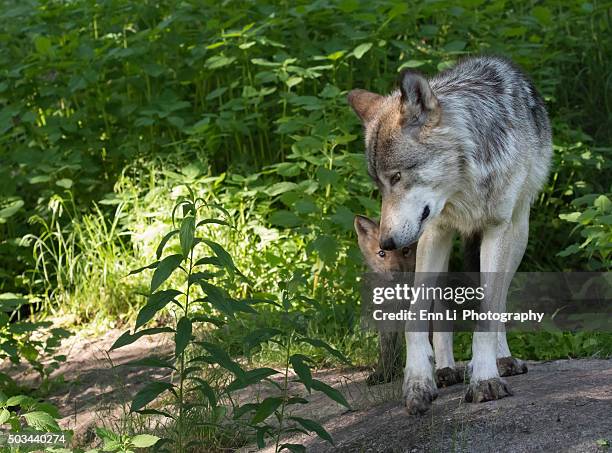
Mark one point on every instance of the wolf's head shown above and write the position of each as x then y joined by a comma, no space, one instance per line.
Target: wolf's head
401,260
409,157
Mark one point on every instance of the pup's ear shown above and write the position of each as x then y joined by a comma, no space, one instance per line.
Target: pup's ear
419,104
366,227
364,103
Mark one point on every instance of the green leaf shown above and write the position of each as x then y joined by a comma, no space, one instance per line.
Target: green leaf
42,44
164,270
285,218
65,183
280,187
207,390
11,209
542,14
331,392
313,426
249,378
144,440
361,50
149,393
162,244
127,338
222,358
148,266
301,368
266,408
156,302
4,416
41,420
224,258
187,234
321,344
183,335
259,336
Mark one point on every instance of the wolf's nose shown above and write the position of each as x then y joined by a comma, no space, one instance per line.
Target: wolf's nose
387,244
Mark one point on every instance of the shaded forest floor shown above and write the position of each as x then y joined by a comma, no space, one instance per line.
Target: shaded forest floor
563,405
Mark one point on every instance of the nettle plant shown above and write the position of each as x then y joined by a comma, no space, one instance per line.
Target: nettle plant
201,303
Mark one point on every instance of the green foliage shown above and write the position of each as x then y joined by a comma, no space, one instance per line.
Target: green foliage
106,107
201,301
22,414
595,226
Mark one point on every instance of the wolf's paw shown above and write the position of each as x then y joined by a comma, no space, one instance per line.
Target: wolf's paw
418,396
382,377
445,377
509,366
488,390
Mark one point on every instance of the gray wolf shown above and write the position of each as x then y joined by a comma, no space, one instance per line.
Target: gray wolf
464,151
390,361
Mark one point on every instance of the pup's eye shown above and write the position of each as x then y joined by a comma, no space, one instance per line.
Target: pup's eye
395,178
406,251
381,253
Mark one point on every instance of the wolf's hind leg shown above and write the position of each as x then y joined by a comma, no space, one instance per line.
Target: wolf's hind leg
506,364
501,252
389,366
447,372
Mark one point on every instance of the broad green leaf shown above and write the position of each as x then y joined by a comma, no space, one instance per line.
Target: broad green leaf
162,244
222,358
156,302
280,187
266,408
144,440
164,270
301,368
313,426
284,218
224,258
259,336
321,344
249,378
41,420
127,338
4,416
11,209
187,234
149,393
207,390
183,335
361,50
331,392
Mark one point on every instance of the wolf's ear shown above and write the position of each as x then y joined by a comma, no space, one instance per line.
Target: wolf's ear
364,103
365,227
419,104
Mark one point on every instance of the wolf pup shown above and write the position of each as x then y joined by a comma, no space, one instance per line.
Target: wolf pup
402,260
464,151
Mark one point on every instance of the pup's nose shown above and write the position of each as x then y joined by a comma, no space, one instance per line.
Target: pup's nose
387,243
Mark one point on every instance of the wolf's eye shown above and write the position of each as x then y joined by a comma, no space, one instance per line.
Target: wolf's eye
395,178
381,253
406,251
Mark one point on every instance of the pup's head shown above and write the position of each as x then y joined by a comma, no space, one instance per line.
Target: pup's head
410,157
378,260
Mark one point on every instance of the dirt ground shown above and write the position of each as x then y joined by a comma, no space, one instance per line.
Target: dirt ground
563,405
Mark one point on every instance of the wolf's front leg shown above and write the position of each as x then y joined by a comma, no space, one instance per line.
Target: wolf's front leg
420,389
